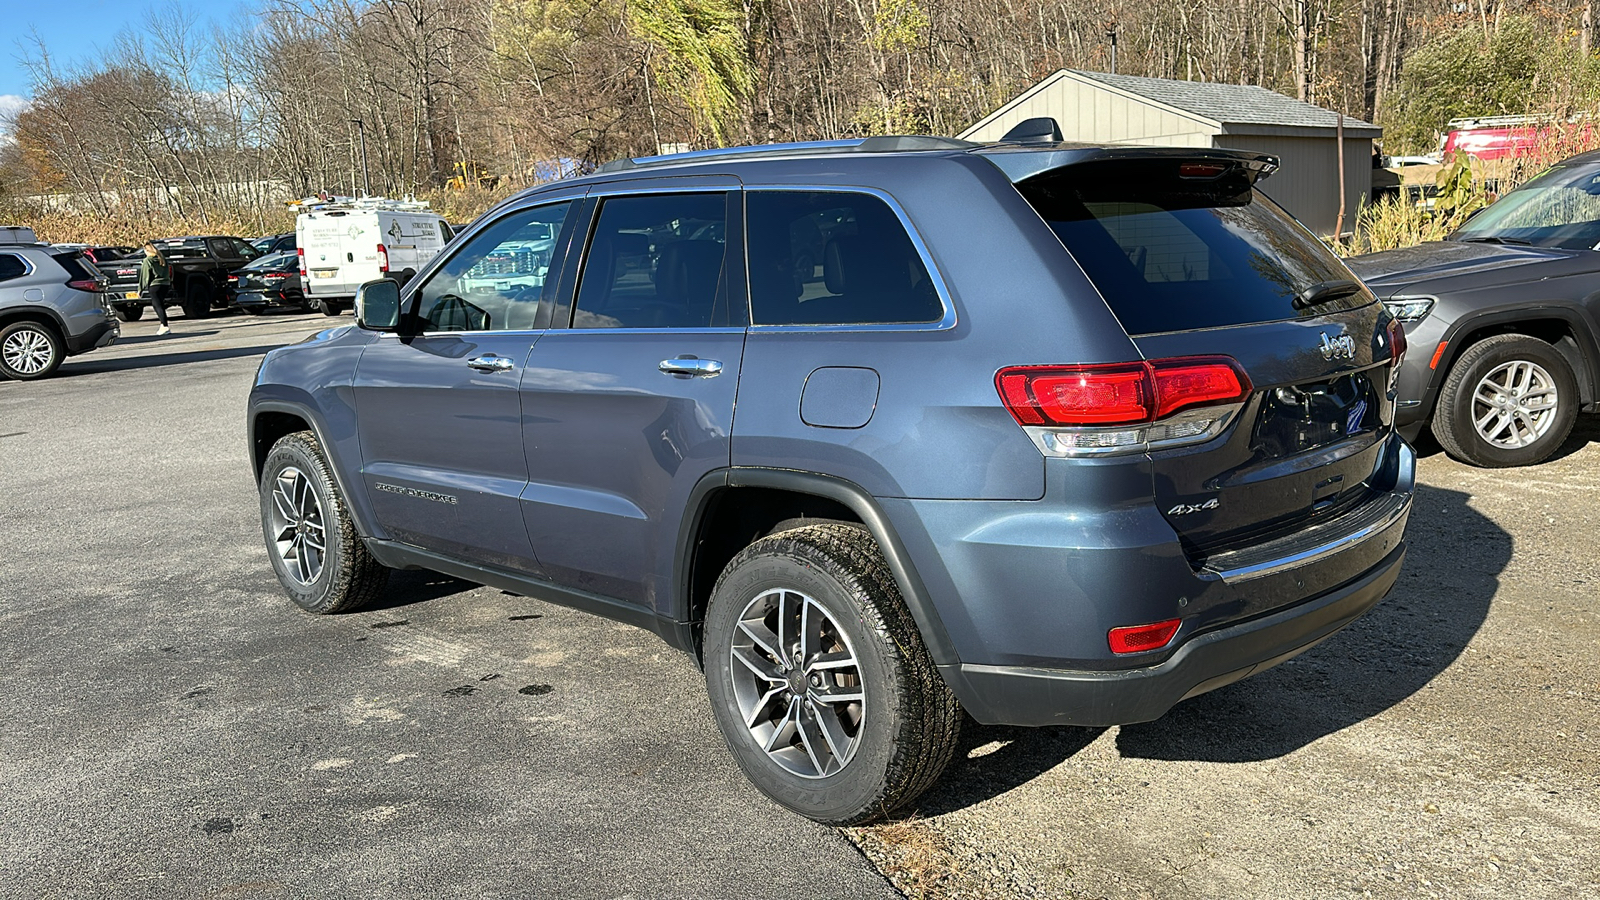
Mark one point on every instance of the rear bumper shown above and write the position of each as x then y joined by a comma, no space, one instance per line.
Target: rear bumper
266,299
102,334
1017,695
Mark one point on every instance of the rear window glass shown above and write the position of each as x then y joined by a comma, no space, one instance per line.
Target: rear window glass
1169,254
185,250
834,258
76,265
11,266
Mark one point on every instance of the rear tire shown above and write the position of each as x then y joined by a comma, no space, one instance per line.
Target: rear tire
196,300
328,309
1509,400
30,350
319,558
816,610
129,312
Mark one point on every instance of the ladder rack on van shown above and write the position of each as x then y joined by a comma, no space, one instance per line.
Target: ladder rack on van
360,204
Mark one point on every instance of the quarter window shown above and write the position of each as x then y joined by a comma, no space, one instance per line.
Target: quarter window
496,281
11,266
656,261
834,258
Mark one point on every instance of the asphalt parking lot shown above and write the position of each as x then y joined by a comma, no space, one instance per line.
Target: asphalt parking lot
173,727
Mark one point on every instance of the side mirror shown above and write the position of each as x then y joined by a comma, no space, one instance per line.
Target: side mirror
378,305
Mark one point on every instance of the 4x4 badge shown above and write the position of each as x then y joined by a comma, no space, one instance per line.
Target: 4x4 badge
1183,509
1341,347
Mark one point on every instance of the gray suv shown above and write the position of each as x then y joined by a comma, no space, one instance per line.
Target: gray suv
52,306
880,431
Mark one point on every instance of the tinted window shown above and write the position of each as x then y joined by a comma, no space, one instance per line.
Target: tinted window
1170,254
656,262
834,258
77,265
495,282
11,266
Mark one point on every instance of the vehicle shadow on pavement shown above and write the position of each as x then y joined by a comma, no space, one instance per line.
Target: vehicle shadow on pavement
1450,576
128,340
981,770
96,366
408,586
1584,433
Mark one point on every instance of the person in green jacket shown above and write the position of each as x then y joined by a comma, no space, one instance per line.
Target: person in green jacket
155,282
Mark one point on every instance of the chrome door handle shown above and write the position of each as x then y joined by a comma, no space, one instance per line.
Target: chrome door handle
490,363
691,366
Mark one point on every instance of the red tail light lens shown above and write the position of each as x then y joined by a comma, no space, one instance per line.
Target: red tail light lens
1119,393
1397,342
1139,638
383,258
92,285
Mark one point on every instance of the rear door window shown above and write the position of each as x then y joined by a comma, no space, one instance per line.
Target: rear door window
1170,254
12,266
656,261
834,258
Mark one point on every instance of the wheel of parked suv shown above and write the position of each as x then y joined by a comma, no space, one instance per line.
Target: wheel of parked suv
819,679
328,309
29,350
1510,400
130,312
196,300
319,558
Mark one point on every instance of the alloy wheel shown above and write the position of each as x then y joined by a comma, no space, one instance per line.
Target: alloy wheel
27,351
797,684
1515,404
297,524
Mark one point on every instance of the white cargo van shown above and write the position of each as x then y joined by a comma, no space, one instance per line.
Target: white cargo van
345,243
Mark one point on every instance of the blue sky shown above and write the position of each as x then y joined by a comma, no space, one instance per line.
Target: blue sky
76,31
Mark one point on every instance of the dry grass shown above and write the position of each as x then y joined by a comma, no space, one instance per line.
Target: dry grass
914,856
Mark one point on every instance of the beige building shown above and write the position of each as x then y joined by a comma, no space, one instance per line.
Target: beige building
1096,107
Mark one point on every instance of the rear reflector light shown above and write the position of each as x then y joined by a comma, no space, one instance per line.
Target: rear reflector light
1119,393
1139,638
93,286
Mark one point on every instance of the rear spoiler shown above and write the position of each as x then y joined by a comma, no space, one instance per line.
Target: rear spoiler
1021,162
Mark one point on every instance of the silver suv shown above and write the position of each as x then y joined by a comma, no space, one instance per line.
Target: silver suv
52,306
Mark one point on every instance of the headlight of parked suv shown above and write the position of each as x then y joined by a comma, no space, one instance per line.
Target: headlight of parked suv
1409,309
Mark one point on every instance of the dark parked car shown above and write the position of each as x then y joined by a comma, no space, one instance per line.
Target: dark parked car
199,267
99,253
275,243
1501,318
1053,434
270,282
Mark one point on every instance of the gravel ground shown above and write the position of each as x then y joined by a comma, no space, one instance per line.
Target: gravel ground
1446,745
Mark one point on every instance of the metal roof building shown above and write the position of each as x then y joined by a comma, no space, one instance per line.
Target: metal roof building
1098,107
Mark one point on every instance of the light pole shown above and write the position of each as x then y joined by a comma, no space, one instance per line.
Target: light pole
366,178
1112,34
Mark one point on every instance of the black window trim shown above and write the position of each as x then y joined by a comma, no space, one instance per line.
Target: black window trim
734,265
941,289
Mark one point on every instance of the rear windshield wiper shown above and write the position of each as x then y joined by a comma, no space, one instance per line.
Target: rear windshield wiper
1498,240
1325,291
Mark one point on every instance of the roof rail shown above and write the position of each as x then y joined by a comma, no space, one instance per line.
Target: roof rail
892,143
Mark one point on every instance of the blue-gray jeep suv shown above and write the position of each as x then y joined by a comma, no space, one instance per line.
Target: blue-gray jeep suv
879,430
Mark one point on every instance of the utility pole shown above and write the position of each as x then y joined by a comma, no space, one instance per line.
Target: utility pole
366,177
1112,34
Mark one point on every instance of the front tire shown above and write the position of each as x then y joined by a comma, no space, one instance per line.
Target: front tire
1510,400
30,350
819,679
315,550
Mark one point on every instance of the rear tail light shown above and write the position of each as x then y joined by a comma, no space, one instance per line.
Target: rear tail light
92,285
233,279
305,277
1140,638
276,276
1124,407
383,258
